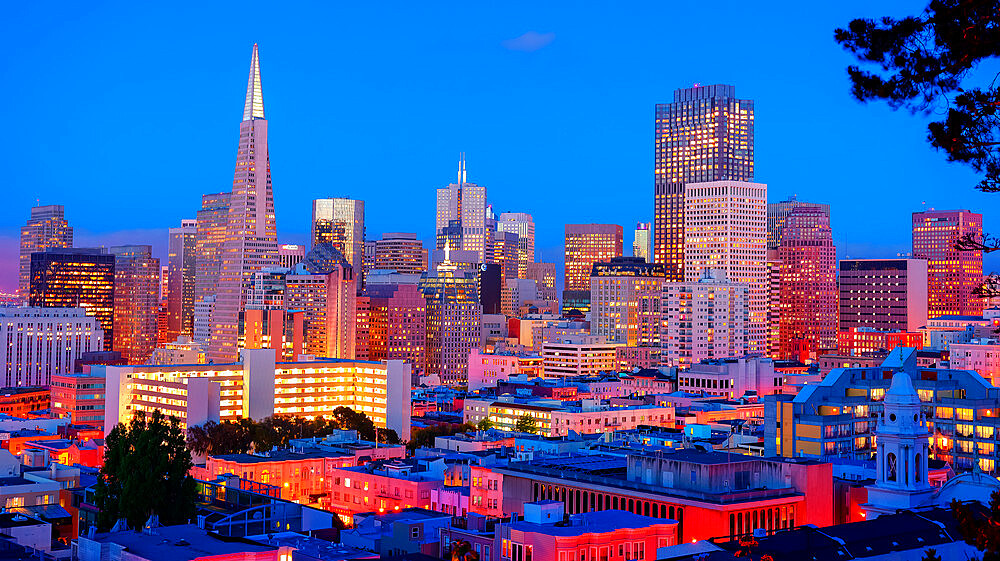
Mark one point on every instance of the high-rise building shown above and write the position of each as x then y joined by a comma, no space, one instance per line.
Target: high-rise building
401,252
323,286
704,319
522,224
46,228
705,134
883,294
454,320
778,212
505,253
726,229
76,278
341,222
807,321
209,236
586,244
289,254
517,293
461,216
397,320
544,275
251,240
181,272
642,242
137,275
625,301
952,275
42,342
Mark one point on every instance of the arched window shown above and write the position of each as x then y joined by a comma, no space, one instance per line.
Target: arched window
916,468
890,467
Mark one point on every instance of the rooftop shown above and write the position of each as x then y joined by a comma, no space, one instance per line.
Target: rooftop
592,523
185,542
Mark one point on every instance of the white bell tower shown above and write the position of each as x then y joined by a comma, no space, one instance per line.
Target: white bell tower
901,471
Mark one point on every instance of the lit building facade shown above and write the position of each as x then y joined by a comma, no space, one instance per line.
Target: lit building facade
593,417
505,253
865,341
330,310
276,329
341,222
807,320
46,228
76,278
461,216
80,396
777,214
980,355
137,287
397,324
486,369
706,134
210,234
642,241
731,377
522,224
257,387
181,274
838,417
401,252
38,343
708,319
884,294
625,301
952,275
585,355
454,321
544,275
290,254
725,229
251,241
586,244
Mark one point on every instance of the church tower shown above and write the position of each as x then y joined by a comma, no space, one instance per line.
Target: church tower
901,471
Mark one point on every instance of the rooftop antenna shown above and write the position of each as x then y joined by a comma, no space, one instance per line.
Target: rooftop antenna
461,169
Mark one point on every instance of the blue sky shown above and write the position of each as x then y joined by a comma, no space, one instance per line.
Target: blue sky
126,113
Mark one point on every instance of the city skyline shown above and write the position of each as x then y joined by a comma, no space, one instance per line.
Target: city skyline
524,51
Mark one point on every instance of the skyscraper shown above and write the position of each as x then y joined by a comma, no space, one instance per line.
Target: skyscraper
778,212
454,320
522,224
290,254
707,318
209,237
76,278
952,275
401,252
726,229
883,294
341,222
137,287
807,321
642,245
585,245
251,240
46,228
505,252
461,215
705,134
625,300
544,275
43,342
181,272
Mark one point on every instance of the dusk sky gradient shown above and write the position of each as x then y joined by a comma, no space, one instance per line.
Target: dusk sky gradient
127,113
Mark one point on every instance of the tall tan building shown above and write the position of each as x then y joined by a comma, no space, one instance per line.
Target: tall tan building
180,280
952,275
46,228
726,230
705,134
137,303
341,222
210,234
522,224
454,321
625,299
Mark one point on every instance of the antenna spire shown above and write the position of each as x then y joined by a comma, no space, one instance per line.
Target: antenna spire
461,168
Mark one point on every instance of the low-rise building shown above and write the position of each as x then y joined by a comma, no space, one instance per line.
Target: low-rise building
981,355
731,377
384,486
79,396
555,418
406,531
486,369
859,341
585,355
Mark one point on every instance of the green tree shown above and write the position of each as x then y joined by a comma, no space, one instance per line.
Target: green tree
484,424
526,423
146,465
424,437
925,62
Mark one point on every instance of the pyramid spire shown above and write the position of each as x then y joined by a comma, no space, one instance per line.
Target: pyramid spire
254,106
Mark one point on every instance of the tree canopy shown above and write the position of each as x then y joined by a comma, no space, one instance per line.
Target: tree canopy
145,472
425,436
926,63
245,435
980,529
526,423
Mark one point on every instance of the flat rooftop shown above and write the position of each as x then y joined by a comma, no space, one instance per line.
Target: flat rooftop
185,542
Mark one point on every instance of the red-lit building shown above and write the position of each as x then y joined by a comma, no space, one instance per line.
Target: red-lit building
79,396
952,275
807,318
70,452
861,341
18,402
397,324
283,331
